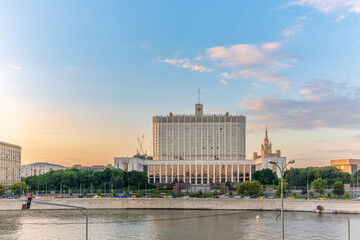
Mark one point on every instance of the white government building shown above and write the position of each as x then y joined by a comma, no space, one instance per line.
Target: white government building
10,162
197,149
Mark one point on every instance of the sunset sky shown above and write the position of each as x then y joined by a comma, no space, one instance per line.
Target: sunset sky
81,80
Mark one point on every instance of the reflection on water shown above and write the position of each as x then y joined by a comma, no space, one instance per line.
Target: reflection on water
173,224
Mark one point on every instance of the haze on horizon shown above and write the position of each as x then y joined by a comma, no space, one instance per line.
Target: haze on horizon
80,81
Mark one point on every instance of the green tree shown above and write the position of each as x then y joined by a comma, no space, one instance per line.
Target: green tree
99,192
142,193
339,188
264,176
113,193
231,193
70,192
347,195
216,193
285,185
2,190
318,184
311,193
321,191
85,192
200,193
293,193
249,188
19,186
329,194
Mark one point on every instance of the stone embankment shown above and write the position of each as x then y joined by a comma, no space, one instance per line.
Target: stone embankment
328,206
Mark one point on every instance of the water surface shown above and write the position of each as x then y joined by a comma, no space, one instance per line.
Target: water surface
173,224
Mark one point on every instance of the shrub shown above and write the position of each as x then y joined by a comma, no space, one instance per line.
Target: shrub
231,193
347,195
200,193
321,191
294,193
311,193
216,193
329,194
339,188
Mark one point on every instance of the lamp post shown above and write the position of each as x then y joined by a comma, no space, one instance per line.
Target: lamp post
282,169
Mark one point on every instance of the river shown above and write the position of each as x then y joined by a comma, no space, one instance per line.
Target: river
174,224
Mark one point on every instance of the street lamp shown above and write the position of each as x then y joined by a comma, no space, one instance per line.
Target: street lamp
282,168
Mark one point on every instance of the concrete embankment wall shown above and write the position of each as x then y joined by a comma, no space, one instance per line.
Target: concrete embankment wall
329,206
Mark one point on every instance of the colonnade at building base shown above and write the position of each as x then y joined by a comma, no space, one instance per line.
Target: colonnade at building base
194,173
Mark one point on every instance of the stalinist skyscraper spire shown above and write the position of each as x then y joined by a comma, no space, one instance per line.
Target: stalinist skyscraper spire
266,149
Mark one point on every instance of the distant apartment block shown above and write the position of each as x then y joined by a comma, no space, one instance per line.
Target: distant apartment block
346,165
95,168
10,163
39,168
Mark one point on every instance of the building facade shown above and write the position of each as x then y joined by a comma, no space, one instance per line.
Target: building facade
10,163
346,165
199,136
39,168
190,171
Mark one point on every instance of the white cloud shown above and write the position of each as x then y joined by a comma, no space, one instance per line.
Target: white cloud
14,67
186,63
223,81
257,85
280,80
257,62
243,61
296,28
342,7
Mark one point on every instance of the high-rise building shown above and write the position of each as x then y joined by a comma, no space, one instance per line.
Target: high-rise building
266,149
267,156
199,136
10,163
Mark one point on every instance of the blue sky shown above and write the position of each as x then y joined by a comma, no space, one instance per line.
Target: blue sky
81,80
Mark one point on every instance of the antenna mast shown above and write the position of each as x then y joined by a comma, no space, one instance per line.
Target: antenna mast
199,95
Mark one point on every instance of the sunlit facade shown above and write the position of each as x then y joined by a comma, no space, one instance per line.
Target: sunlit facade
39,168
10,163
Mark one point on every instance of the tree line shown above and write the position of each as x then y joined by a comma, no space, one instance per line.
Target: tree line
302,177
73,178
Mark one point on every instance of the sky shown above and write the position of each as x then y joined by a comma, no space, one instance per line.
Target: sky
81,80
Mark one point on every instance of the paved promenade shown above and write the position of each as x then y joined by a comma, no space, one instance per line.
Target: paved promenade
329,206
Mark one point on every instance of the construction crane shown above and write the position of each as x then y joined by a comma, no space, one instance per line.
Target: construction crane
141,151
